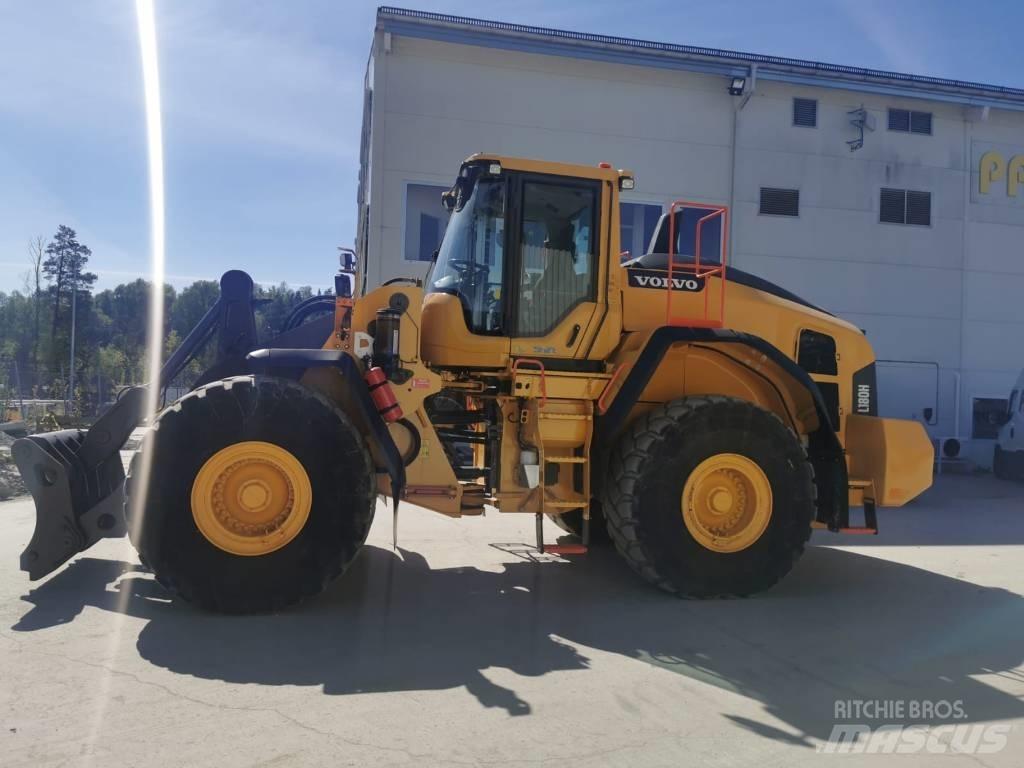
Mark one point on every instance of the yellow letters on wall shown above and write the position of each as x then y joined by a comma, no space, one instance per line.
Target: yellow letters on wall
993,167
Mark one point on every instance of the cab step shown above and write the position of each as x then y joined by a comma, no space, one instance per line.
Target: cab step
562,549
870,527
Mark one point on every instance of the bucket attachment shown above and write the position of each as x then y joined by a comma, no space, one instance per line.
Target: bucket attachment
76,479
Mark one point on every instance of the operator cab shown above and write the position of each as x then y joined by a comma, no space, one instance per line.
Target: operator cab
519,268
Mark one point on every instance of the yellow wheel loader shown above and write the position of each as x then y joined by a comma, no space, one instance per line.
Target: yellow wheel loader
704,419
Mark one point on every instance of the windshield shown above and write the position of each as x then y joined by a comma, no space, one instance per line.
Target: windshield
470,260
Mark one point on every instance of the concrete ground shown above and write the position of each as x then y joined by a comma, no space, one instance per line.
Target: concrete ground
456,650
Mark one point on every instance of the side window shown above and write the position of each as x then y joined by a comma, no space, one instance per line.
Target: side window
1013,403
558,253
817,353
637,224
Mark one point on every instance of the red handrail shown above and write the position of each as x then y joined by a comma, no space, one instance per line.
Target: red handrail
719,270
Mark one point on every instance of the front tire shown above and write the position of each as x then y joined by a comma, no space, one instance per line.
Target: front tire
710,496
260,493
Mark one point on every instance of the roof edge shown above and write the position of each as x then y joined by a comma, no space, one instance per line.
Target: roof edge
837,73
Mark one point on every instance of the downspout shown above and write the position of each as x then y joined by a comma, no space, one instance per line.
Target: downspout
970,115
747,93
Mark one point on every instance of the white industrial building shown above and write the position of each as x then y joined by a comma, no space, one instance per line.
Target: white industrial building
893,200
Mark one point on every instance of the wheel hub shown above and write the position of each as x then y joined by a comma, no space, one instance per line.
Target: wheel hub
251,498
727,502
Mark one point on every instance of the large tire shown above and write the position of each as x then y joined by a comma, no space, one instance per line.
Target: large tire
648,472
225,413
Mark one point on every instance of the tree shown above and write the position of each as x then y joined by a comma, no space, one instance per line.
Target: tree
36,253
63,266
281,300
191,304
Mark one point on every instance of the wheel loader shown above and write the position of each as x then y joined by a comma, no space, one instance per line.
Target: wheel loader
702,418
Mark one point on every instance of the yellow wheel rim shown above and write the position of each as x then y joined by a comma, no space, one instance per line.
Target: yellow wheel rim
727,502
251,498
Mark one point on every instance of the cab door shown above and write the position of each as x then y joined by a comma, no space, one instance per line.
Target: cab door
555,266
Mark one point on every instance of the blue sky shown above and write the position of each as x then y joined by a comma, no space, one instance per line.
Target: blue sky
262,108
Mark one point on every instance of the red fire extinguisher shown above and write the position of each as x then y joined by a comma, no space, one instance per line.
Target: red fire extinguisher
383,397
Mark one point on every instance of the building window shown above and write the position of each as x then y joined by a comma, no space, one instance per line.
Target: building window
987,416
905,206
805,112
425,221
779,202
907,121
637,222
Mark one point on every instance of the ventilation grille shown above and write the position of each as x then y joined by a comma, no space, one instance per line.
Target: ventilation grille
919,208
892,208
805,112
779,202
905,121
903,206
921,122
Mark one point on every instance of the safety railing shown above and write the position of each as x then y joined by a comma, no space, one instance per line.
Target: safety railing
697,270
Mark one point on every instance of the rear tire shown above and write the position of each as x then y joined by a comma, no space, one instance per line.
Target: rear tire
644,499
295,420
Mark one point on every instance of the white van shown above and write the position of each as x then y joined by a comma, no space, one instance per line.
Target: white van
1008,462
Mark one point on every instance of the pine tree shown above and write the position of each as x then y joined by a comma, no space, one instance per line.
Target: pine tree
64,264
64,270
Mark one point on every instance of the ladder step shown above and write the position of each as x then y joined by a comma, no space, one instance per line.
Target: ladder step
565,504
566,459
564,549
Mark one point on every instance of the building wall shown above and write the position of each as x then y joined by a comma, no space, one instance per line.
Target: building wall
943,299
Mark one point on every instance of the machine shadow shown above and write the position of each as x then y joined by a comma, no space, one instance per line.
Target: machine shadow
841,626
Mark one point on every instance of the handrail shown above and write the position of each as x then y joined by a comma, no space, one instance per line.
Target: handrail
719,270
602,406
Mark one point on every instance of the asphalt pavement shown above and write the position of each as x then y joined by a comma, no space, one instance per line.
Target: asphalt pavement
464,648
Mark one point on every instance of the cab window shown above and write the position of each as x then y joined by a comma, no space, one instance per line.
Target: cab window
557,242
470,262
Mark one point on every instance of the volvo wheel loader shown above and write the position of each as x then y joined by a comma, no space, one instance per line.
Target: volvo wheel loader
706,419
